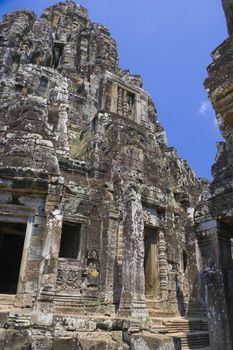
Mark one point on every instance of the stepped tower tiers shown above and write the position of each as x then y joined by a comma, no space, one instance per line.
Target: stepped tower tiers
97,241
214,216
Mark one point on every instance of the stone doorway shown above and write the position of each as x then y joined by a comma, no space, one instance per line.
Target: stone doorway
70,246
151,263
12,237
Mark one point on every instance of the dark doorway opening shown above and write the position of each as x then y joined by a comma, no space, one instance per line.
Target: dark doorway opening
70,241
57,53
151,262
131,105
11,248
185,260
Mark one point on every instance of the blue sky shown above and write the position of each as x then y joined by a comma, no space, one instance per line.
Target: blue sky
169,43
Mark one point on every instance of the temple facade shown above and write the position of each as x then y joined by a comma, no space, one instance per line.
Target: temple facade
99,217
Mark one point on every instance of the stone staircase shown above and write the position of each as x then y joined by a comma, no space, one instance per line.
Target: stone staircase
19,320
7,301
185,326
72,304
196,311
193,333
195,340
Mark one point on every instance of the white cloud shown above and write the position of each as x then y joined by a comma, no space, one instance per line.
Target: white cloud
204,107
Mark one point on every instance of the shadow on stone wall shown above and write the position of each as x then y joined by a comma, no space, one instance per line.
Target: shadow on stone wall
117,287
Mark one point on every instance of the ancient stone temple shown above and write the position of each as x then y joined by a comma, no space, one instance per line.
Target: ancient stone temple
98,247
214,215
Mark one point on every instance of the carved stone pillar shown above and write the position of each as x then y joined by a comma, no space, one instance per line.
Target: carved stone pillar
120,101
132,301
125,104
50,253
109,255
163,271
62,131
210,243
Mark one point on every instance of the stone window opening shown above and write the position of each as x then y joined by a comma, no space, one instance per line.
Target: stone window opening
57,53
130,104
43,82
12,236
126,103
53,118
70,241
151,262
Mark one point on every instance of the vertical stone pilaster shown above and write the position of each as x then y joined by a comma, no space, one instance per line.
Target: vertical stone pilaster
132,303
109,254
124,104
163,271
50,254
140,112
51,246
114,96
26,247
209,236
24,295
62,131
120,101
102,96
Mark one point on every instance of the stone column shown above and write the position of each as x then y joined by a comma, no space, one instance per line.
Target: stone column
49,257
120,101
109,256
132,303
125,104
141,109
209,236
23,271
114,96
62,130
163,271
